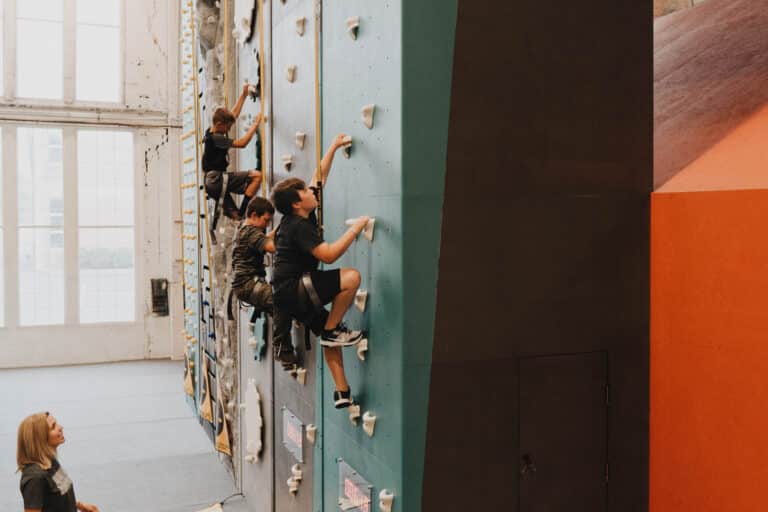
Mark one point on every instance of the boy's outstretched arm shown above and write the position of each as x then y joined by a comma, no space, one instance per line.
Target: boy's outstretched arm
245,139
327,161
330,252
240,101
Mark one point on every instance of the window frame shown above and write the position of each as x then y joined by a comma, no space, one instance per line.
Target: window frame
71,227
69,64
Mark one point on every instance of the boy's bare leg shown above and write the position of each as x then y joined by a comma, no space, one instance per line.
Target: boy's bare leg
253,186
350,282
335,364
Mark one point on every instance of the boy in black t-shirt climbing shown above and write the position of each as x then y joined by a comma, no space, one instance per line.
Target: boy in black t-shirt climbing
216,144
249,275
299,287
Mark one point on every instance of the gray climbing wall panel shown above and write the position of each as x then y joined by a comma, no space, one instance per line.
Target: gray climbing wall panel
293,111
258,476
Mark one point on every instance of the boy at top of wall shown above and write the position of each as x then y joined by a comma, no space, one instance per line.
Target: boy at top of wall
300,288
249,282
216,144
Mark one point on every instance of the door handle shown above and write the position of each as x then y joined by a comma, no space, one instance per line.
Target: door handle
527,466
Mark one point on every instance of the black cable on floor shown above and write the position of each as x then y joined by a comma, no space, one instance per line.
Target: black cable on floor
230,497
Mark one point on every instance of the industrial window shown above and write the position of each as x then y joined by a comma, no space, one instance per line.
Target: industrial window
40,49
98,58
71,212
40,185
2,234
2,48
68,56
106,226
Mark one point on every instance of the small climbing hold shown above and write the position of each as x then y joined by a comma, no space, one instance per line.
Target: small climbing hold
300,25
368,112
386,498
301,375
354,414
361,298
297,473
368,230
290,73
252,342
287,162
293,486
362,348
347,147
250,459
311,432
353,26
301,137
369,423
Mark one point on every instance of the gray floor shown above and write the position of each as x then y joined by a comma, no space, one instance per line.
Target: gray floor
132,442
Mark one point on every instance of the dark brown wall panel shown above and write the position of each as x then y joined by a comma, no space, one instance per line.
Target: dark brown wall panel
545,239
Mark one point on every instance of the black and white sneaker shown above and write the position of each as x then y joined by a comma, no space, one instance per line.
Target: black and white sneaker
342,399
341,336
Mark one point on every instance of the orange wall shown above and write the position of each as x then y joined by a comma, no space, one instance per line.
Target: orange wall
709,352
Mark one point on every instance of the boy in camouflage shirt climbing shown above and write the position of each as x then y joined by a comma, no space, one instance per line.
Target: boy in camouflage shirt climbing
249,282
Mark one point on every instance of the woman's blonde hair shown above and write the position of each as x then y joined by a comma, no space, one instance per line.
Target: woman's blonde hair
32,446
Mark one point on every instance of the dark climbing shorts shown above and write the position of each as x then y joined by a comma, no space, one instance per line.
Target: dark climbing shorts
290,298
238,182
256,293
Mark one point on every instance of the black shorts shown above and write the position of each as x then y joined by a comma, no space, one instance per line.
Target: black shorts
288,297
237,182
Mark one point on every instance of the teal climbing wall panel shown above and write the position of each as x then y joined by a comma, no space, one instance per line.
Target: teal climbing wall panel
359,72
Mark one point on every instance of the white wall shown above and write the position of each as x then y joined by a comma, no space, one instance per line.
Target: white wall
151,111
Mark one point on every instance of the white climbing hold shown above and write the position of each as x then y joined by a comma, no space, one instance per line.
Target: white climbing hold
301,375
253,419
353,26
250,459
368,230
361,298
369,423
354,414
290,73
300,24
346,149
311,432
362,348
297,472
368,112
293,486
386,498
287,162
252,89
301,137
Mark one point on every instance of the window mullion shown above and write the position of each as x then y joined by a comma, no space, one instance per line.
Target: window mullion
9,49
70,35
10,224
71,239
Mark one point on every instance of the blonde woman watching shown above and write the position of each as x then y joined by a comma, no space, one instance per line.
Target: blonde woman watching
45,486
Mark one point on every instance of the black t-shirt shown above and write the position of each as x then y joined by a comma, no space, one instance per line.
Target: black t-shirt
248,255
50,490
216,151
294,241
